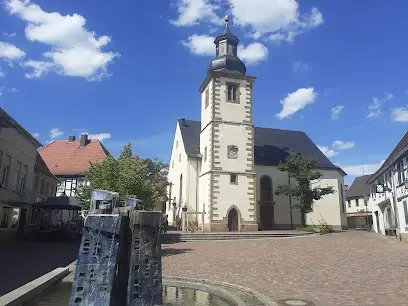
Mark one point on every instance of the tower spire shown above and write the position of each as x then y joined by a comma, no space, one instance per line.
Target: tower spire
227,59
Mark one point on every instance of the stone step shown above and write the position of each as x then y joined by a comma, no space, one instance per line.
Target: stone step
174,237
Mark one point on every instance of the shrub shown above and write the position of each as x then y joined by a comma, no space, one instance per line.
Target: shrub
309,229
324,228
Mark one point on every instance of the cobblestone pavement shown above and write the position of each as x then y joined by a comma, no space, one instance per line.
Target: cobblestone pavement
23,262
351,268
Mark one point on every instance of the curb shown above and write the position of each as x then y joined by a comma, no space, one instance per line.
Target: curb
32,289
261,297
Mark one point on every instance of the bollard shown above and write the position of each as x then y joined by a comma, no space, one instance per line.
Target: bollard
95,274
145,267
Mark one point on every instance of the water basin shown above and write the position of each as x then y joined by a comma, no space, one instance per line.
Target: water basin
175,293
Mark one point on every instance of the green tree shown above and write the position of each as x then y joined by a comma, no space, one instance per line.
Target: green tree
129,175
302,170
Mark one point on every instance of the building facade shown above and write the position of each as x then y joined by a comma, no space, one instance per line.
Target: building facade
18,153
70,159
390,202
359,214
226,168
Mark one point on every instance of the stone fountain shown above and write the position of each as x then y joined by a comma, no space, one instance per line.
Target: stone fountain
120,263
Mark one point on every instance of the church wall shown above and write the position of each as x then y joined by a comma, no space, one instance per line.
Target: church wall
282,204
232,195
233,112
329,207
207,113
179,166
332,206
205,196
206,149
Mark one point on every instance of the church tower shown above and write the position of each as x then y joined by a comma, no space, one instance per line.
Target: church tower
227,175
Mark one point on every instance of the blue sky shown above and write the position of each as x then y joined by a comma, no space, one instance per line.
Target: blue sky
125,70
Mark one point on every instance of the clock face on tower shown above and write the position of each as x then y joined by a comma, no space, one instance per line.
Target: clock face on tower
232,152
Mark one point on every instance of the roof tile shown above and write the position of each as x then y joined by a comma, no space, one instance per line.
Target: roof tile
67,158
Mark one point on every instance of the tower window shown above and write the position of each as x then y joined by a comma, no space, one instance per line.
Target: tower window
207,98
234,178
233,93
180,157
205,154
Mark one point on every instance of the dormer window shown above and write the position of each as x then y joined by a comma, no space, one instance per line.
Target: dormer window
233,93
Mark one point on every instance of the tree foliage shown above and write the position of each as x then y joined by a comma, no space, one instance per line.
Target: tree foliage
129,175
302,170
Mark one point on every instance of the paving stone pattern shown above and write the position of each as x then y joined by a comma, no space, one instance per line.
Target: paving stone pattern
351,268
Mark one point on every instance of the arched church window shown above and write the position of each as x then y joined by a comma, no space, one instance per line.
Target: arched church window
266,188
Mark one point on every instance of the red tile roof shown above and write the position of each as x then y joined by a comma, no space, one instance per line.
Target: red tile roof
68,158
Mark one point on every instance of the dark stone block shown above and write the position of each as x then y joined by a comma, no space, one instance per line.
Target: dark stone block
145,269
95,274
105,223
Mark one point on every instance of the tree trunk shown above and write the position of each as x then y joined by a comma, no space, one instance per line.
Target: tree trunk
303,218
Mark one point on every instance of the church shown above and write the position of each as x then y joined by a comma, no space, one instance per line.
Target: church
223,170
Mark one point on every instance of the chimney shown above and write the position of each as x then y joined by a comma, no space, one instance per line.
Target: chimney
71,138
83,141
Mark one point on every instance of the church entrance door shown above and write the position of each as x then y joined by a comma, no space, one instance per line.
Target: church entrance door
267,216
233,220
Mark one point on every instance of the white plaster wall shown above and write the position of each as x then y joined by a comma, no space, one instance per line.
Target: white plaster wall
205,142
204,195
354,208
233,194
206,113
331,208
20,149
282,203
234,112
237,135
193,168
178,166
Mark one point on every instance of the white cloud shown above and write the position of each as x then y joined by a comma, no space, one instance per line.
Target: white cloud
253,53
336,111
36,135
400,114
343,145
10,52
326,151
296,101
191,12
100,136
74,51
204,45
374,114
10,35
376,104
4,89
200,45
283,21
300,66
363,169
2,73
55,133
